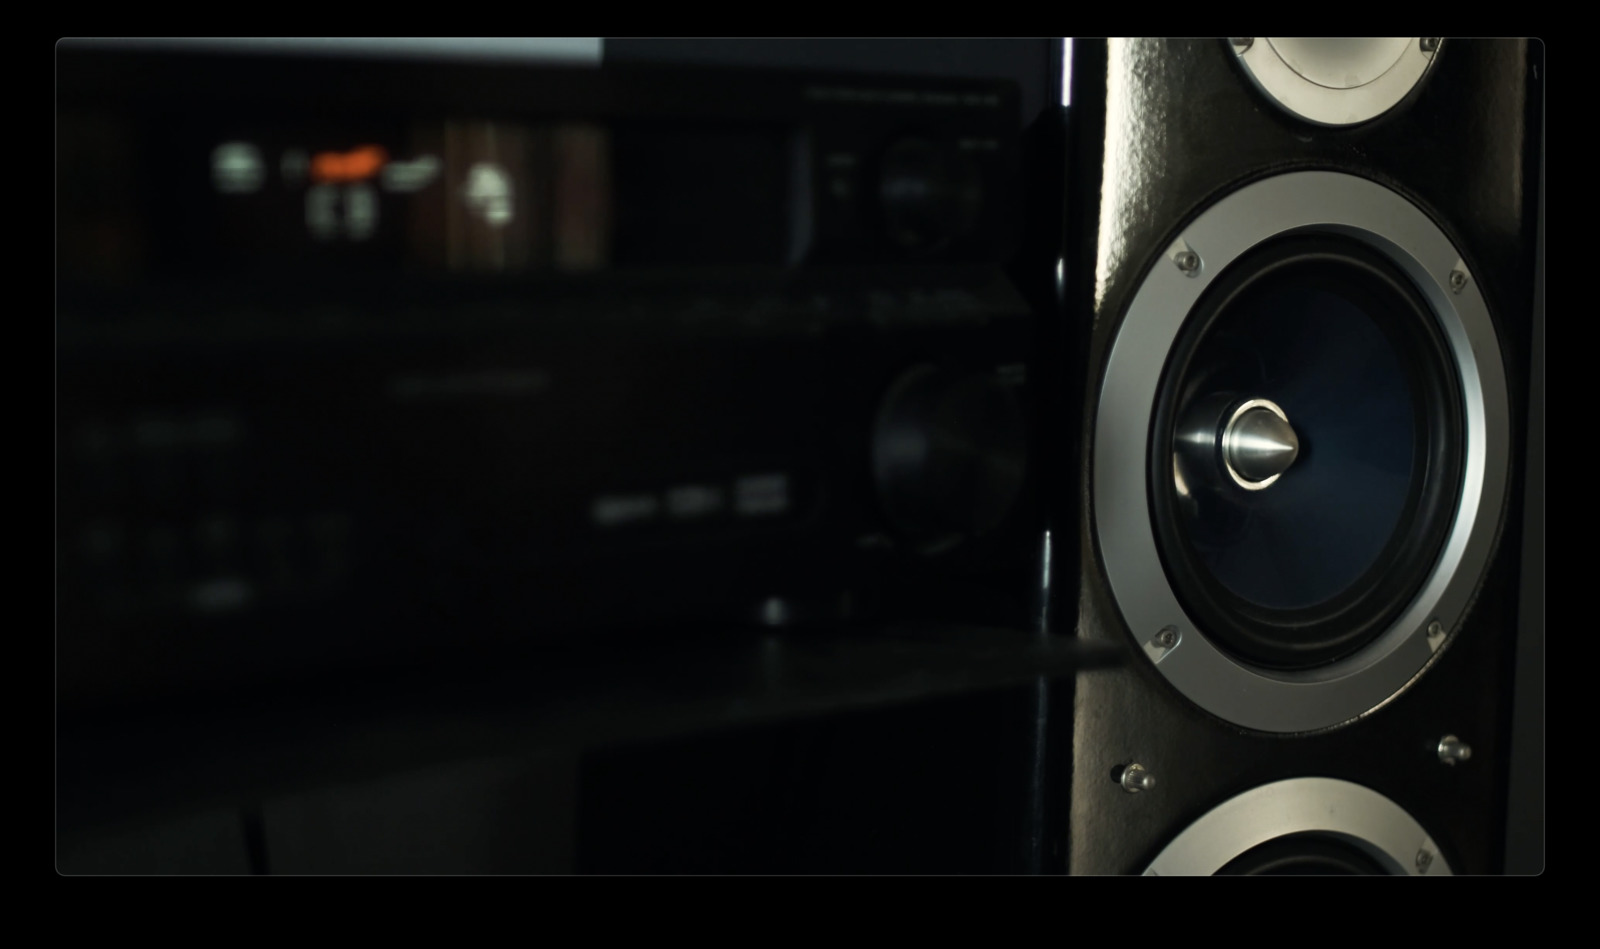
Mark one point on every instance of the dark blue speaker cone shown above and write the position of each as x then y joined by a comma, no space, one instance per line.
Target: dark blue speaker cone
1305,568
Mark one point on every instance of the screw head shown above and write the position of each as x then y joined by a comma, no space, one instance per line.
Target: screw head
1188,261
1424,860
1167,638
1242,43
1453,749
1457,281
1430,44
1135,779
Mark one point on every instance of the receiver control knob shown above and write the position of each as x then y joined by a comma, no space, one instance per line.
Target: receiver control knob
929,194
949,455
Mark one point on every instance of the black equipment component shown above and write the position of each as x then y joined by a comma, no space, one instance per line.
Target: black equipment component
368,363
1304,276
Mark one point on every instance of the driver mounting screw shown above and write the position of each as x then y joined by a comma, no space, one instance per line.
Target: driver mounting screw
1188,261
1135,779
1452,749
1430,44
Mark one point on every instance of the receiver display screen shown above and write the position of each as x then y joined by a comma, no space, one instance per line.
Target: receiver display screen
284,199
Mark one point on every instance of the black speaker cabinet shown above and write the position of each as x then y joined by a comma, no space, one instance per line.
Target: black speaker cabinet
1304,271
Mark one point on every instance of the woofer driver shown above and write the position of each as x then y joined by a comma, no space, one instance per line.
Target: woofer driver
1300,452
1316,826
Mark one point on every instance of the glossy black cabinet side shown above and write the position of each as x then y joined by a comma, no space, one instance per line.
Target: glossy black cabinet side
1180,126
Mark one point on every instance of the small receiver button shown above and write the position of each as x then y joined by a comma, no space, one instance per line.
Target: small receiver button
929,195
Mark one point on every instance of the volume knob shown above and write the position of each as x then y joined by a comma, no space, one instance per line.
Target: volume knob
949,455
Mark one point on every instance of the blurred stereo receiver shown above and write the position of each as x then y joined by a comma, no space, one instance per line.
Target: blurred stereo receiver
369,359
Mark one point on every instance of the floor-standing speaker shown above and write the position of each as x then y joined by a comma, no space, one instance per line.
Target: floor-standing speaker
1303,271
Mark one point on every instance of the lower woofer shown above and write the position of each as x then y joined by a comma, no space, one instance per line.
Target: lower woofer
1303,826
1304,855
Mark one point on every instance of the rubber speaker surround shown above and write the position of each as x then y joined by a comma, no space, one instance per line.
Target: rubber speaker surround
1308,854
